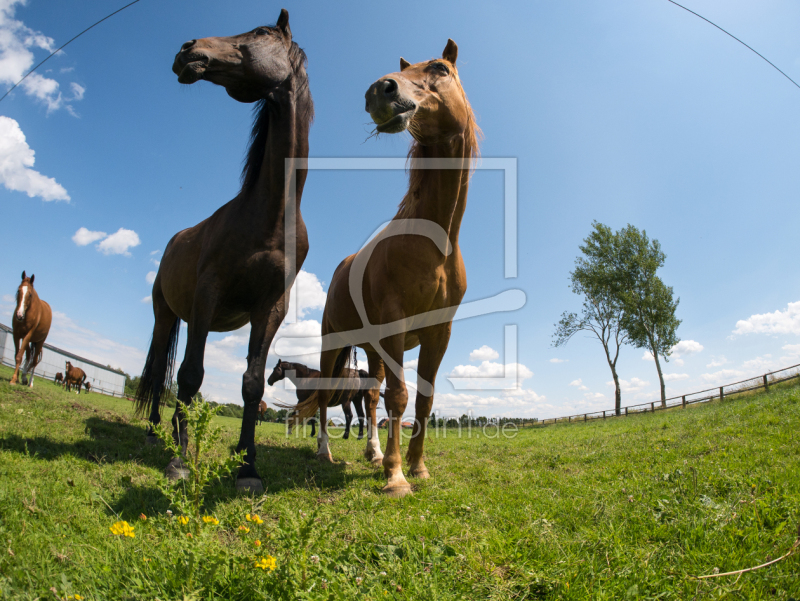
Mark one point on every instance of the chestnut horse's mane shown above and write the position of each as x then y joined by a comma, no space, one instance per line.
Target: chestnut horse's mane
258,136
472,137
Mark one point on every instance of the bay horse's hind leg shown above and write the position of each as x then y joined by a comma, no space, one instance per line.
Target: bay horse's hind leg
264,325
358,403
348,418
373,452
433,346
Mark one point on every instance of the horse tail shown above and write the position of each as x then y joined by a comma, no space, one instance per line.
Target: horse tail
308,408
144,392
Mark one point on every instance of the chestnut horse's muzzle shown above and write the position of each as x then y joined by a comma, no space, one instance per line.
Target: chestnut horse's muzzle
389,107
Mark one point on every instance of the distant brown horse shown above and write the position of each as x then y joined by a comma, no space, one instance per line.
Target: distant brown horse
31,324
261,416
236,266
351,394
88,387
59,379
405,285
74,376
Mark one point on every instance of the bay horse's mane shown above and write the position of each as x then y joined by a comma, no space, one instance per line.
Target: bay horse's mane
258,136
416,177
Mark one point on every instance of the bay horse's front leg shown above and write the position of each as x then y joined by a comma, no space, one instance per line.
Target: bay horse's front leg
433,346
373,452
396,397
358,403
348,418
264,325
190,375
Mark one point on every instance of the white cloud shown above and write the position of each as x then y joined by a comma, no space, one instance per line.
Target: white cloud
16,162
488,369
84,236
78,91
647,356
69,335
671,377
778,322
554,360
722,376
579,384
485,353
686,347
308,290
634,385
147,299
411,364
717,361
761,365
150,277
119,242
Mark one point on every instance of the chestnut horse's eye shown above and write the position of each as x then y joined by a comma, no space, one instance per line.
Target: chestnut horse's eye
262,31
441,67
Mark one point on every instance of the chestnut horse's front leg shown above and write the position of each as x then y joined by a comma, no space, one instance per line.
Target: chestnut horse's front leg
396,397
19,354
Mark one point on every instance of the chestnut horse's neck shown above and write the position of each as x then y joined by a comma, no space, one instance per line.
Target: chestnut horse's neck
439,195
280,131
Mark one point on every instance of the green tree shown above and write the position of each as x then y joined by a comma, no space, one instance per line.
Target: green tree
649,304
596,279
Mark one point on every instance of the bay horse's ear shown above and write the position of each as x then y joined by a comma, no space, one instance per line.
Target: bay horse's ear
32,276
283,24
23,274
450,52
404,64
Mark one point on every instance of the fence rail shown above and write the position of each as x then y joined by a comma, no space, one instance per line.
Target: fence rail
762,382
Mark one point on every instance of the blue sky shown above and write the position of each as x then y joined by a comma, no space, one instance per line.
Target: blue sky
623,112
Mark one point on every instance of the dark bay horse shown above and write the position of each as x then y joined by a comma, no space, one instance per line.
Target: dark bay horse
403,288
237,266
303,378
30,326
74,376
59,379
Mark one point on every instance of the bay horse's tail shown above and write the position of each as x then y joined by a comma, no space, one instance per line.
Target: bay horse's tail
144,392
308,408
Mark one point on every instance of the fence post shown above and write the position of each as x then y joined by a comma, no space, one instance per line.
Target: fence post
584,417
683,402
604,414
766,382
653,407
626,412
721,393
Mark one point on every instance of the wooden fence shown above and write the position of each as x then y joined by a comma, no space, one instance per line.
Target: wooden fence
720,393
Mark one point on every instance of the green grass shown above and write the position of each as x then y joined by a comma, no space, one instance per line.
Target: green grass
628,508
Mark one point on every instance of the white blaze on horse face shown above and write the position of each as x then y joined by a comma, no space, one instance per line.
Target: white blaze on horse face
21,307
374,443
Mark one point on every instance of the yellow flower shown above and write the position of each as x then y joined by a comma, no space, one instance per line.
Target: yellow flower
122,529
145,559
210,520
254,518
76,597
257,543
244,529
142,517
183,520
267,563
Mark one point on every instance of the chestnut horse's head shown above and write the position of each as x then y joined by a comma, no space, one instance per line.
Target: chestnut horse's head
248,65
277,373
425,98
24,297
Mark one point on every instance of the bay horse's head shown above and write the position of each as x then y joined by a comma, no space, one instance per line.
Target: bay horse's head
24,297
277,373
68,367
426,98
248,65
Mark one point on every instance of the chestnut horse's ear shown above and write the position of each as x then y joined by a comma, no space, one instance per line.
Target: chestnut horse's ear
23,274
450,52
283,24
404,64
32,276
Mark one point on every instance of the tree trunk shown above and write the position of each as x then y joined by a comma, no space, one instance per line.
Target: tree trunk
617,390
660,378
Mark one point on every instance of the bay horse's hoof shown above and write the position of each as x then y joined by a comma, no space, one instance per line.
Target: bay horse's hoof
176,470
151,439
376,461
250,485
422,474
397,491
324,458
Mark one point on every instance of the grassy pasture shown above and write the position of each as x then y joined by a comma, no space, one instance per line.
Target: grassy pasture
626,508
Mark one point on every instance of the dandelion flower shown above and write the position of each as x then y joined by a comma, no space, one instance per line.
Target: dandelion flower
183,520
210,520
257,543
254,518
244,529
267,563
122,529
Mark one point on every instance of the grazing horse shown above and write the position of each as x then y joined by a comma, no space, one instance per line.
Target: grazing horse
59,379
31,324
403,288
262,411
303,378
88,387
237,266
75,376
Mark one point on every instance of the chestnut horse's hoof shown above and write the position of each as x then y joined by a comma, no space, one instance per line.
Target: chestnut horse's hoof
151,439
397,491
421,473
324,458
376,461
176,470
252,486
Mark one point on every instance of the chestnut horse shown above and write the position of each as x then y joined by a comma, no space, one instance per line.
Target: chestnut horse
303,378
31,324
405,285
74,376
235,267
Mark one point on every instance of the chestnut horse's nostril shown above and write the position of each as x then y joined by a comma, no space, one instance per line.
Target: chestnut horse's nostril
188,44
389,88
